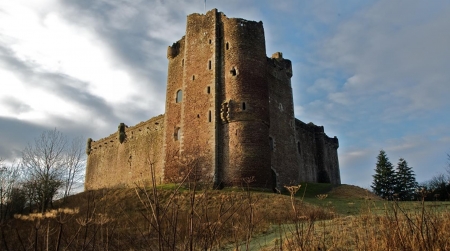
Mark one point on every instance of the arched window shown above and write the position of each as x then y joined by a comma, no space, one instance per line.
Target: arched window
179,97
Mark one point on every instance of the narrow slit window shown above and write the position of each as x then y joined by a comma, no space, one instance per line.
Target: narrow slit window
208,89
179,97
209,116
227,46
177,134
193,77
182,62
243,106
210,41
209,64
299,149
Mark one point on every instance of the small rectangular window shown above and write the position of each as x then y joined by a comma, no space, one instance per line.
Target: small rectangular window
208,89
209,116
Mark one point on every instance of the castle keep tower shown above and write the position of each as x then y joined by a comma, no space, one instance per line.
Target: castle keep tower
219,105
229,119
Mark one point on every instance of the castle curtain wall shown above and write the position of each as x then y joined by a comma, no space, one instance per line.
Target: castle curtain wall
114,163
318,154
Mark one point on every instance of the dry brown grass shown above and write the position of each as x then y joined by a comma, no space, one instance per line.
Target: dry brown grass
171,219
187,218
397,229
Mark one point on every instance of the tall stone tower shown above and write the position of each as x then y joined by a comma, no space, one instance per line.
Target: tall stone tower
218,101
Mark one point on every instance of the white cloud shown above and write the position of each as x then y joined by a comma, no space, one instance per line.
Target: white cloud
391,86
405,55
49,44
322,85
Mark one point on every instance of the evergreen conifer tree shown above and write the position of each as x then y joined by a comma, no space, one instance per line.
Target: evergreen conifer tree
384,178
405,182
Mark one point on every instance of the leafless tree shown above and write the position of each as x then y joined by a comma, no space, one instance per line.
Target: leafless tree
74,166
52,163
9,183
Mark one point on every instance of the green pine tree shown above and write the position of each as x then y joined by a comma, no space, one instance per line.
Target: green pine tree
384,178
405,182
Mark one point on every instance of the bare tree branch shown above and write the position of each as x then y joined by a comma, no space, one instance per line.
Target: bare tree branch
75,166
52,163
9,182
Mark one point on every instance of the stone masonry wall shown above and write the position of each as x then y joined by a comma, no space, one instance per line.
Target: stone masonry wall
332,161
112,163
284,154
245,104
192,70
175,95
318,154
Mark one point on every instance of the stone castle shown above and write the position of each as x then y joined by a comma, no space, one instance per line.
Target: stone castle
229,115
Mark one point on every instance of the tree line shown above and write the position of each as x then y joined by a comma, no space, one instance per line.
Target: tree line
50,167
400,183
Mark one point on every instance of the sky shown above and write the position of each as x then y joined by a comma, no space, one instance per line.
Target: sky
376,74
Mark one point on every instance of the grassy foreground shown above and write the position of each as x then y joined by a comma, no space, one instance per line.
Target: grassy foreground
173,217
366,222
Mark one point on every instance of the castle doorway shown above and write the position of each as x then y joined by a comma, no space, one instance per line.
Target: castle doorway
274,181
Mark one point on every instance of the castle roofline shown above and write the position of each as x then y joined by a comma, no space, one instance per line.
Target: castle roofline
215,11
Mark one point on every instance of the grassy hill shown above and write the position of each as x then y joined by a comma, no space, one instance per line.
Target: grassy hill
187,218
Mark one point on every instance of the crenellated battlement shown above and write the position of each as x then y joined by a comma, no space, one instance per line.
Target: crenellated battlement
280,67
153,124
